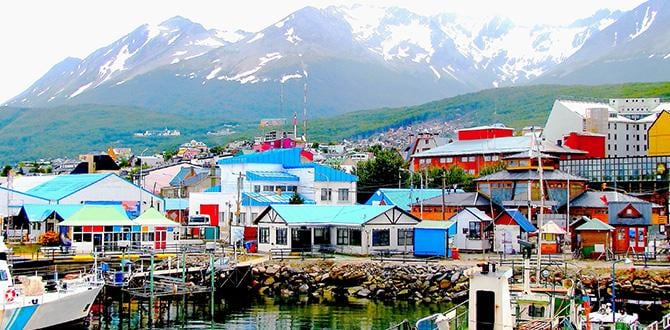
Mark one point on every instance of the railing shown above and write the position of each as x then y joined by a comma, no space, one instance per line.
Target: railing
663,324
457,317
322,252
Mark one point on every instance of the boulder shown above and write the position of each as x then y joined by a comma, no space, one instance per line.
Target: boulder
364,293
269,281
303,288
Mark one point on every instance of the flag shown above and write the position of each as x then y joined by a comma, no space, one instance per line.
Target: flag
295,118
604,199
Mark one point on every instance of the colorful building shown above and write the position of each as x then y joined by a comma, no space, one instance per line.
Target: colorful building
453,202
510,226
484,132
659,135
593,144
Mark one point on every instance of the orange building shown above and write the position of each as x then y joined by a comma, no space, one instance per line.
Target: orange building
431,209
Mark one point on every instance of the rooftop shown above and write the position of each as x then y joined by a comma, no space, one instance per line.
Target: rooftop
458,199
594,199
502,145
62,186
403,198
530,175
270,198
356,215
96,215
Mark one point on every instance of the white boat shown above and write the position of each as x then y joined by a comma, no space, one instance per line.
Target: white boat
31,305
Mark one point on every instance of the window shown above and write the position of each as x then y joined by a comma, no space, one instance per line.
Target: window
241,218
264,235
355,237
321,236
474,231
343,194
487,158
281,236
471,159
535,311
326,194
471,171
342,236
257,188
464,159
405,237
495,158
443,160
268,188
450,159
381,237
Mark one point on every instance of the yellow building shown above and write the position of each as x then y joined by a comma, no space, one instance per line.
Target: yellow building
659,135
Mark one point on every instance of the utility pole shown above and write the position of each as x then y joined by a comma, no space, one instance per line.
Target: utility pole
444,185
238,211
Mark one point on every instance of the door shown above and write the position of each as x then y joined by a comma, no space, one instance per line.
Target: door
160,237
486,309
301,239
621,239
97,242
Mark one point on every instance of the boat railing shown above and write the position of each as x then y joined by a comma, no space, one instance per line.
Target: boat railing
663,324
457,317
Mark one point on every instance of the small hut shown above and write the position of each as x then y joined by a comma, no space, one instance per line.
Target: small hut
156,230
552,236
595,238
434,238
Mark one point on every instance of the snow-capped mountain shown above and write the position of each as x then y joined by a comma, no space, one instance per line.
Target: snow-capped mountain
351,57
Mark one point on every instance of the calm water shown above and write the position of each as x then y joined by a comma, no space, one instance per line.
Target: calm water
238,312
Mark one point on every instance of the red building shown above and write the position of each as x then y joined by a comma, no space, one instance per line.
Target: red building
592,144
484,132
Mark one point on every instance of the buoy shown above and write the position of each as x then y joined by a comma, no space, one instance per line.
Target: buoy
10,294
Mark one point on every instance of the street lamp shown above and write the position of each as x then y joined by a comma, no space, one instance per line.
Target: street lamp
625,261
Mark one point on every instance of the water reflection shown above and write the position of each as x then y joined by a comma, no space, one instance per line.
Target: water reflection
239,311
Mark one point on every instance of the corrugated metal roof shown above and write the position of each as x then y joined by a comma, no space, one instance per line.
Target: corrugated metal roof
185,171
287,157
503,145
473,211
614,208
458,199
594,225
325,173
403,198
330,214
270,198
435,224
152,217
271,176
593,199
530,175
40,212
176,204
521,220
62,186
95,215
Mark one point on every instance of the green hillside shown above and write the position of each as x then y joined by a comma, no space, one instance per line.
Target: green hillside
513,106
27,134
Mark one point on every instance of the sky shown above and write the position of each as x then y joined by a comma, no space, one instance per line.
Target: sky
37,34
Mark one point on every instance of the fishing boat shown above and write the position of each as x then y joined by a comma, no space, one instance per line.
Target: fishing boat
31,303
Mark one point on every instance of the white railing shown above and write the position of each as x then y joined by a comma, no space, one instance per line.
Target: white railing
663,324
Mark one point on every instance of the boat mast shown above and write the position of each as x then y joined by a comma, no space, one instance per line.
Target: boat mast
540,218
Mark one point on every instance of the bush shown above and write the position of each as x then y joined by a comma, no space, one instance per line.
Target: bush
49,238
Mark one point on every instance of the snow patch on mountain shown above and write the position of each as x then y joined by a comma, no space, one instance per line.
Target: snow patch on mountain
291,37
80,90
642,27
114,65
414,33
258,36
288,77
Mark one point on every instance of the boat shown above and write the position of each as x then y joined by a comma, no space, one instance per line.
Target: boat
31,303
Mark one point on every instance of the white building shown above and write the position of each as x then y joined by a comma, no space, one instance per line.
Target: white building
260,176
624,121
349,229
471,234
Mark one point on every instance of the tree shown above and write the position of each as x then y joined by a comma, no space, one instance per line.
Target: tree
296,198
432,178
379,172
5,170
490,169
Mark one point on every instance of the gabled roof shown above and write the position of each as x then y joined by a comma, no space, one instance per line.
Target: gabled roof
152,217
40,212
287,157
268,198
552,228
352,215
271,176
62,186
521,220
502,145
530,175
459,199
594,225
403,198
594,199
186,172
96,215
530,153
472,211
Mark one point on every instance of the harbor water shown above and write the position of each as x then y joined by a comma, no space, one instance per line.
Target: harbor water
240,312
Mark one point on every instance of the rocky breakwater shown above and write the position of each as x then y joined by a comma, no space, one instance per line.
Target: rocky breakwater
633,283
373,280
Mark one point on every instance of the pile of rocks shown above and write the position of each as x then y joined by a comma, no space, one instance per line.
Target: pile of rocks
374,280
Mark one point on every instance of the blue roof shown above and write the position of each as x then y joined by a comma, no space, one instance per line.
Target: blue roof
403,198
176,204
183,172
269,198
40,212
356,215
521,220
287,157
213,189
328,174
271,176
62,186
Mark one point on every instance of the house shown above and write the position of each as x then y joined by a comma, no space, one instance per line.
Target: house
403,198
510,226
470,230
40,218
474,154
96,164
190,179
631,222
155,179
276,171
595,205
96,227
434,238
156,231
350,229
552,238
453,202
594,237
659,135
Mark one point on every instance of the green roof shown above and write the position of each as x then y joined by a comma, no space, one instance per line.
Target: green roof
152,217
329,214
434,224
97,215
595,225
